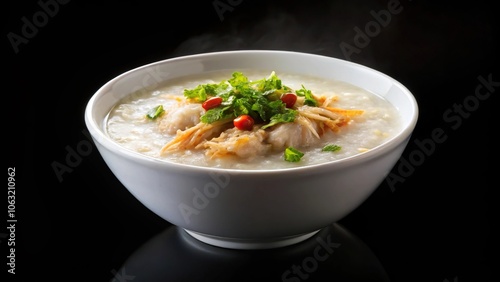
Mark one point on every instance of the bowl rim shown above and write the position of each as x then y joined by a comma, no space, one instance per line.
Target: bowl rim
99,136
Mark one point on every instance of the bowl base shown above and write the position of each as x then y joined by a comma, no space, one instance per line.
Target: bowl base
250,244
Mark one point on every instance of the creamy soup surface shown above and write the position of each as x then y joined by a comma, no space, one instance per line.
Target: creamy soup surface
370,121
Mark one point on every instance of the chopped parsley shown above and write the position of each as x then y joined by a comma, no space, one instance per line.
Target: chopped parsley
288,116
155,112
259,99
331,148
293,155
307,94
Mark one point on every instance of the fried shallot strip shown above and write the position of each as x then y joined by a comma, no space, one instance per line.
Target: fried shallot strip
191,137
333,118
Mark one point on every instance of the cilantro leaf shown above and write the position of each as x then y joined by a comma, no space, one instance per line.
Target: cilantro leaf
293,155
288,116
238,79
199,93
155,112
203,91
307,94
271,83
331,148
216,114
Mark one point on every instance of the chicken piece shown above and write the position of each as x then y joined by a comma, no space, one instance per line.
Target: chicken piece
241,143
309,126
180,117
301,133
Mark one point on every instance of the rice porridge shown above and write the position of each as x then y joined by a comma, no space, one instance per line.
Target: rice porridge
252,120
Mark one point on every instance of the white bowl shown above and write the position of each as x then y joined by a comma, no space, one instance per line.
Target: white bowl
251,209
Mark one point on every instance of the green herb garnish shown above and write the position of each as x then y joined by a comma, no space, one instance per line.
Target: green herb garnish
292,154
331,148
201,92
307,94
259,99
155,112
287,116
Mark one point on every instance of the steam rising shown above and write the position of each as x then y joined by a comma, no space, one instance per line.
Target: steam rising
274,30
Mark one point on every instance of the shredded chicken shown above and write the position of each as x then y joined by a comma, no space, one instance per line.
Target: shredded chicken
193,136
241,143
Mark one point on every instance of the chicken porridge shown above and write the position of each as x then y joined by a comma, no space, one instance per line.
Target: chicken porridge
252,120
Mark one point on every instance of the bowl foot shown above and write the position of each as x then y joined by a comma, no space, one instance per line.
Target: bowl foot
250,244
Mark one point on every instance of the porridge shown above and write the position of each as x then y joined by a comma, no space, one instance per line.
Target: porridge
253,120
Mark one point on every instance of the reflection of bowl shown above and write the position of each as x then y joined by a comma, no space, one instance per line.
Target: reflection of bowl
251,208
333,254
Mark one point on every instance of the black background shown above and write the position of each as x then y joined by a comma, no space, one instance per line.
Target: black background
436,225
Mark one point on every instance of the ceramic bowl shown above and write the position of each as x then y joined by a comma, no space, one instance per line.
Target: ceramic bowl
251,209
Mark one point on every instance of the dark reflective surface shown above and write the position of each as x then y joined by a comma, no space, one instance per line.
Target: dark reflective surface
333,254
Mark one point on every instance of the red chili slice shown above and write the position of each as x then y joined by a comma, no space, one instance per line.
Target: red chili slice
212,103
243,122
289,99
